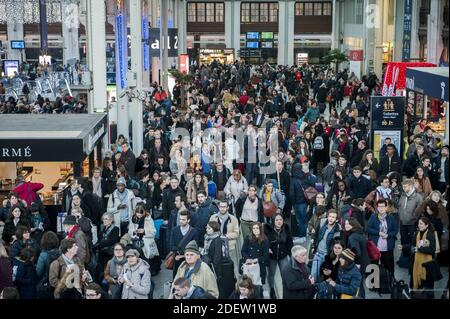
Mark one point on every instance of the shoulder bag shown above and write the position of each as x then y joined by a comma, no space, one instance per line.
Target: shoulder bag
169,261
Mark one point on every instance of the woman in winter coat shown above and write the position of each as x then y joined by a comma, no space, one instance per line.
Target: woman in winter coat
16,218
6,270
348,282
141,233
424,243
108,236
213,253
193,186
382,229
431,211
368,162
356,240
113,269
25,278
330,266
236,185
280,241
256,246
23,240
49,249
245,289
135,277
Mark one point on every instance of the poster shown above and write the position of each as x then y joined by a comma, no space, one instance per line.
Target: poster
380,136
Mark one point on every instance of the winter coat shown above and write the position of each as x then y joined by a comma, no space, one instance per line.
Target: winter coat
128,160
25,279
239,206
385,169
255,250
312,114
18,245
296,284
214,257
276,197
107,238
191,192
348,280
201,276
300,181
201,217
84,252
357,240
280,241
411,164
176,237
285,181
27,191
319,234
231,231
168,200
150,248
236,188
360,187
140,277
10,229
114,202
57,270
407,206
328,264
225,176
373,229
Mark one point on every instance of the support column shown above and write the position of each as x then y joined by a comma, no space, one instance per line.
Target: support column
398,29
70,29
164,34
145,53
154,22
336,30
233,26
286,16
137,68
415,44
96,43
15,31
434,36
182,26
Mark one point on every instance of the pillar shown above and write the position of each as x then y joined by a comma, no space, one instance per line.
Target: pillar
96,43
70,28
137,68
286,16
145,19
336,30
154,23
15,32
164,51
182,26
398,29
434,36
233,26
415,44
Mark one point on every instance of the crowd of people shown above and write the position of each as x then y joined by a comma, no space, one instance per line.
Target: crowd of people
200,206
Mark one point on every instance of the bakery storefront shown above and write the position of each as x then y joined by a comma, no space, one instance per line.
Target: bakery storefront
49,149
427,92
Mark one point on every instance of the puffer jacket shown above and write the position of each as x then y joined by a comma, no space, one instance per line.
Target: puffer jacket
348,280
140,278
407,206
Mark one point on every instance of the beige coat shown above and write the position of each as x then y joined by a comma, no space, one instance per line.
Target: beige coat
232,229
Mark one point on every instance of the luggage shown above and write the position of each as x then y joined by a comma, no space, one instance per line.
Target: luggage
294,225
212,189
163,241
385,281
227,282
400,290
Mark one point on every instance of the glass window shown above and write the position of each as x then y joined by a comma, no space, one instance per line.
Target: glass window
273,14
254,13
308,8
191,12
318,9
264,12
326,9
200,12
210,12
245,12
299,11
219,12
359,11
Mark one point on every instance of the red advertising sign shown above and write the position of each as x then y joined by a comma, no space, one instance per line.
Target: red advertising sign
395,76
184,63
356,55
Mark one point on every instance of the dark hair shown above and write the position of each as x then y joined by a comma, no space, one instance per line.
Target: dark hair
201,193
34,207
11,194
245,282
27,254
83,182
357,168
49,241
121,246
427,222
262,236
66,244
96,287
332,211
22,212
214,225
356,226
382,178
382,201
20,230
336,242
143,173
10,293
182,282
185,213
434,207
358,202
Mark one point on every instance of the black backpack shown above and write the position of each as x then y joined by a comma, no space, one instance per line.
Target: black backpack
44,289
400,290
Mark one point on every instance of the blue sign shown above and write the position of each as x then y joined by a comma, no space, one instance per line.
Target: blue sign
430,84
145,45
16,44
252,35
407,21
121,51
252,45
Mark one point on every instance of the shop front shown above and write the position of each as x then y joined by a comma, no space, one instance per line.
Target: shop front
223,56
49,149
427,91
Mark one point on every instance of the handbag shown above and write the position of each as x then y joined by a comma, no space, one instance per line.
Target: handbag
310,194
269,209
137,243
169,261
253,271
373,251
433,270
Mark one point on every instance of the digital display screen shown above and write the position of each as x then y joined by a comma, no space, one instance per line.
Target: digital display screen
17,44
267,35
252,45
10,67
253,35
267,45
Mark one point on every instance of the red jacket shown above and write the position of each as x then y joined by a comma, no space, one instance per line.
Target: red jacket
27,191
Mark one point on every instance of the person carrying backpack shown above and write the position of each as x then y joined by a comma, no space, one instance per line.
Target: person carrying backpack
50,252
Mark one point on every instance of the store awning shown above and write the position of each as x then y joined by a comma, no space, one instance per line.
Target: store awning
429,81
50,137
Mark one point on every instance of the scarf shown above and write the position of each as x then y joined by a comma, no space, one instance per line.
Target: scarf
116,266
382,242
223,219
419,271
74,229
268,196
209,239
385,193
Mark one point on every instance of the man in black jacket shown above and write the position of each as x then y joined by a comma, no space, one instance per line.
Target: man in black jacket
359,185
90,200
358,153
283,182
297,283
168,197
127,159
389,163
220,176
205,209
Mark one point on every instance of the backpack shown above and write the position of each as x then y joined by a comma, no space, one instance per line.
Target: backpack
318,143
44,289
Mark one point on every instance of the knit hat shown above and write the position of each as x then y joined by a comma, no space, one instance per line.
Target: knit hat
192,247
348,255
132,252
70,220
121,181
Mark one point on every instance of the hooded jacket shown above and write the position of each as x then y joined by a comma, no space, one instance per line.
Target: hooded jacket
348,280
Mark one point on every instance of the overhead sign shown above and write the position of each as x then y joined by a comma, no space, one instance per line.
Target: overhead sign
184,63
407,26
433,85
355,55
155,45
10,67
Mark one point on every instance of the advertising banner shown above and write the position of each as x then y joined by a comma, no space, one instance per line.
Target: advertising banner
121,50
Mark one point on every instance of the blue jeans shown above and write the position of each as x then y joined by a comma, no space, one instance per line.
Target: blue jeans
300,214
318,259
250,172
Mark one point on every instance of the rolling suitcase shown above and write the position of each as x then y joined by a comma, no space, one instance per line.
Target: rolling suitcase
163,241
227,282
